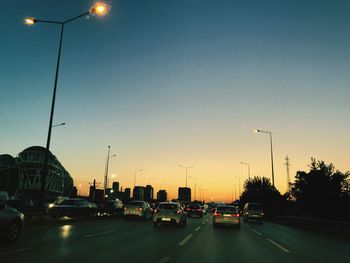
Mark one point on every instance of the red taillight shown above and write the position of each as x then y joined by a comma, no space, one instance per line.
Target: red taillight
199,209
155,210
140,208
236,215
217,214
178,212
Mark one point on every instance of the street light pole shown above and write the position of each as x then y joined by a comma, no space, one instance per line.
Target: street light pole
98,9
248,168
239,184
105,183
272,170
186,167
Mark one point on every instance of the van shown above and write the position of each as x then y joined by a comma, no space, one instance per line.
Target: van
253,211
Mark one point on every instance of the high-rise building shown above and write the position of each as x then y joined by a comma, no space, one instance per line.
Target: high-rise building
115,187
184,194
127,193
148,195
138,193
162,196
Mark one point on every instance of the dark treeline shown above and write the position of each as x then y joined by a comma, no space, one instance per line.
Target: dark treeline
322,192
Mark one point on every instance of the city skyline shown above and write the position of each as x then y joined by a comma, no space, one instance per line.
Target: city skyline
180,83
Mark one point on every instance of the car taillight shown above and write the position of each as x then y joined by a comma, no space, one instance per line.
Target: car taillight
155,210
217,214
236,215
178,212
199,209
124,207
140,208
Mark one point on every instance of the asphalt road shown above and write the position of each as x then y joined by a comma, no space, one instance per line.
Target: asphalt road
120,240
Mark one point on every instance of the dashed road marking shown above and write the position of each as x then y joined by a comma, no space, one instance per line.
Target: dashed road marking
197,229
184,241
278,245
14,251
99,234
204,223
256,232
164,260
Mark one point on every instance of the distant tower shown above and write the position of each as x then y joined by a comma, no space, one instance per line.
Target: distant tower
288,177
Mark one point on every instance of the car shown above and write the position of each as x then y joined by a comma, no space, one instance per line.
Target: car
137,209
169,213
11,223
252,211
194,210
226,215
72,207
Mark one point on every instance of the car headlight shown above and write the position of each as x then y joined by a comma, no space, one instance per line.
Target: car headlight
50,205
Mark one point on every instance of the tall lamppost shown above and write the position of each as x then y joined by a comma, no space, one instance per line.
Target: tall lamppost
186,168
273,175
137,171
248,168
239,184
99,9
106,169
195,186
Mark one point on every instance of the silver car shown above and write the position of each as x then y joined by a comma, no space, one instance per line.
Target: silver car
226,215
137,209
169,213
11,223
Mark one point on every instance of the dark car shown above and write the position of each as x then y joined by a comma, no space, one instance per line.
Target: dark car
73,207
11,223
194,210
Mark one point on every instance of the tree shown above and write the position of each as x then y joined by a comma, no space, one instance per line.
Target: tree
322,191
260,189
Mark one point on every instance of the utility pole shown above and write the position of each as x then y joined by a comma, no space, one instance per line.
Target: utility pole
288,177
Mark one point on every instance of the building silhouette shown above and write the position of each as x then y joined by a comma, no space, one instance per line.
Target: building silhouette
184,194
115,187
148,195
162,196
138,193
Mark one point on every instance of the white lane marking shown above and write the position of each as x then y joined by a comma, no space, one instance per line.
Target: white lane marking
197,229
278,245
256,232
99,234
14,251
204,223
184,241
164,260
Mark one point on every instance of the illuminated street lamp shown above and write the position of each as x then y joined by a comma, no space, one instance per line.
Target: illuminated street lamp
98,9
273,175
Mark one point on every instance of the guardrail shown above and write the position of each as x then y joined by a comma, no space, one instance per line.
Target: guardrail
339,228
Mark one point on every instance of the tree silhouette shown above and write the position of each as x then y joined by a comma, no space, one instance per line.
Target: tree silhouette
260,189
321,192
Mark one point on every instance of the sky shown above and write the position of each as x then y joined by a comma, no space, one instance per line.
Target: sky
185,82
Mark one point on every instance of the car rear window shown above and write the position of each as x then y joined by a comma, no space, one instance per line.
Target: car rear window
231,209
195,206
168,206
136,203
254,206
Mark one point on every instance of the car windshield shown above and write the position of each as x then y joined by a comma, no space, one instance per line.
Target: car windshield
231,209
136,203
168,206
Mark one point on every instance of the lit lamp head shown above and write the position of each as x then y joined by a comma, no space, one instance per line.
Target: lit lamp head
29,21
100,9
256,131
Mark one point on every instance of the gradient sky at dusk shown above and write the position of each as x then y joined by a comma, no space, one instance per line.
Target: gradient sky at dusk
180,82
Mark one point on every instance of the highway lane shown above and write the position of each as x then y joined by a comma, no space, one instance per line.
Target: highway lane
119,240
